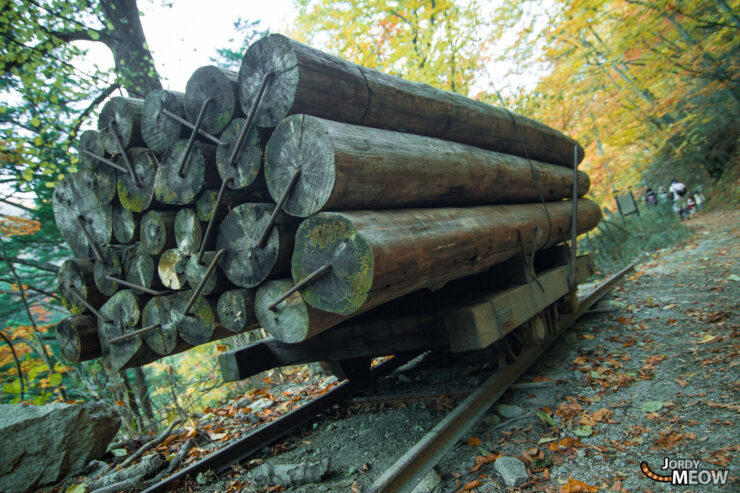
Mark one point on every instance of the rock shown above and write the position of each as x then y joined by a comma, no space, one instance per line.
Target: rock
508,411
44,444
430,483
260,405
512,471
492,419
291,474
328,381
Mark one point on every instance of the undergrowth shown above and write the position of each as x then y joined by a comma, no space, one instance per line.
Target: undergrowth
618,240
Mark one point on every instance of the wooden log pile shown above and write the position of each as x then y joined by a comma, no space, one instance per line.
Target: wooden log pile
294,196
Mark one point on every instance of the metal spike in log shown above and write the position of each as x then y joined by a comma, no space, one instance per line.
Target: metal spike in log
138,196
140,268
208,199
96,168
122,116
73,198
77,338
205,277
245,264
311,82
248,161
122,314
172,268
162,340
351,167
160,131
235,310
195,325
110,266
125,225
196,272
158,231
200,173
90,142
218,84
189,232
77,275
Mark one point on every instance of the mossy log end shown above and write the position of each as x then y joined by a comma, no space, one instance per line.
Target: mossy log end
249,158
195,271
162,340
196,327
245,263
90,142
138,198
125,225
293,320
308,81
346,167
199,173
140,268
122,314
188,231
77,274
380,256
218,84
110,265
172,268
77,338
235,310
160,131
158,231
123,114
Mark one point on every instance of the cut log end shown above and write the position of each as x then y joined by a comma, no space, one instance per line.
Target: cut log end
245,264
160,131
172,268
125,225
196,327
158,231
218,84
90,142
121,313
248,160
77,337
169,186
196,271
163,339
188,231
289,322
138,198
236,310
109,265
77,275
300,142
139,267
331,239
123,114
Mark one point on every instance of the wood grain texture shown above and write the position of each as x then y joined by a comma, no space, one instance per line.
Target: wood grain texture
196,328
90,142
111,265
235,310
77,275
158,310
249,159
139,198
219,84
196,271
199,173
77,338
160,132
140,267
158,231
125,225
188,231
125,113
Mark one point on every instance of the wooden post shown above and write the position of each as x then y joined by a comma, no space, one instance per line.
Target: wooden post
77,338
72,200
351,167
249,158
77,274
199,173
246,264
219,84
139,197
125,116
172,268
235,310
308,81
379,256
158,231
125,225
188,231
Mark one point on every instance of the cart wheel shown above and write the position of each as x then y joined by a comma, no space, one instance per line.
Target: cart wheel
356,370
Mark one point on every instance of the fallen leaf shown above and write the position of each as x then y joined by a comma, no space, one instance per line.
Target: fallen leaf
681,383
573,486
473,484
583,431
480,461
473,441
651,406
707,338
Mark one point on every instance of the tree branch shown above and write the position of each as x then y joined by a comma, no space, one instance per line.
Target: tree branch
30,263
17,364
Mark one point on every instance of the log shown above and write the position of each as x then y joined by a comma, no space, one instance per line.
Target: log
199,173
73,201
160,132
197,327
235,310
172,268
293,320
125,114
188,231
90,142
345,167
162,340
125,225
195,271
122,313
206,204
100,176
246,264
140,268
110,265
158,231
249,158
379,256
308,81
138,198
218,84
77,338
77,274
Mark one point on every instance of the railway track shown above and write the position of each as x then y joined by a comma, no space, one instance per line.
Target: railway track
427,452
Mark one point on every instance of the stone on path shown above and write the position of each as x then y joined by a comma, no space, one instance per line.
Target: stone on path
291,474
512,471
44,444
508,411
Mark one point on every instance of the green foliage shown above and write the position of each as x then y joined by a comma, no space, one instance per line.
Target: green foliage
621,240
230,57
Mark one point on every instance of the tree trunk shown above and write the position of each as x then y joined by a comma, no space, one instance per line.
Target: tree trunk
158,231
245,263
142,395
308,81
347,167
77,337
221,86
235,310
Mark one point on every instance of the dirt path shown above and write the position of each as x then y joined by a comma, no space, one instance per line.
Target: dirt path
653,376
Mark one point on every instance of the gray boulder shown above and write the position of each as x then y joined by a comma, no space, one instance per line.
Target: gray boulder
44,444
512,471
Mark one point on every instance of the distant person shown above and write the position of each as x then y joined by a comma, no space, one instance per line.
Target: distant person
678,193
663,196
698,198
650,197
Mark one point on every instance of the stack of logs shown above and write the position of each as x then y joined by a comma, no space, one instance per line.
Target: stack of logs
297,194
